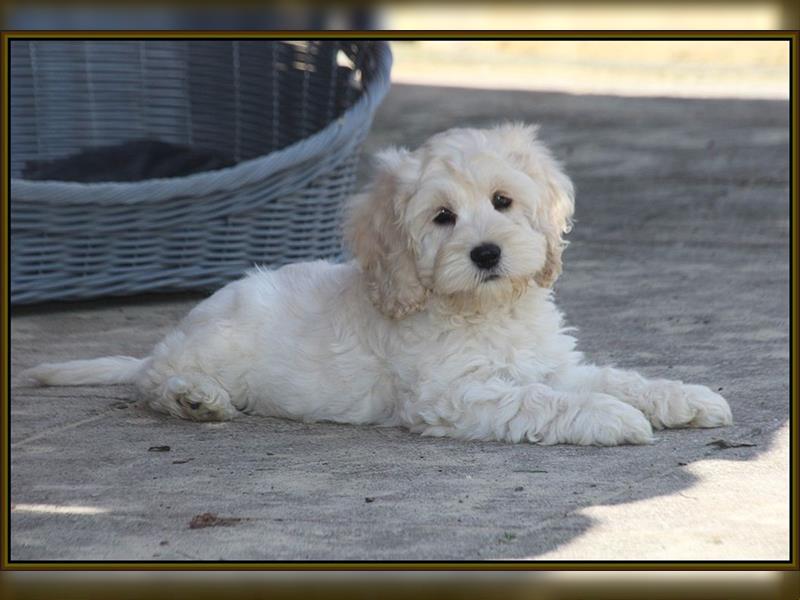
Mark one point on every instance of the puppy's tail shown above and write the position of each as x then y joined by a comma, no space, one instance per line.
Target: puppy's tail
99,371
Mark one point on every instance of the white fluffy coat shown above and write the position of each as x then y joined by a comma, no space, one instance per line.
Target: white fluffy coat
413,333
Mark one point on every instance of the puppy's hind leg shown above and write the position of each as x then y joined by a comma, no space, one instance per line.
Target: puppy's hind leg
179,379
195,397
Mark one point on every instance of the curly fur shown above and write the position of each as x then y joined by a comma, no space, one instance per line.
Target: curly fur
412,332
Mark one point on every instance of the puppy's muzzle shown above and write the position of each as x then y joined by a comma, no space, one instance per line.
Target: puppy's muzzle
486,256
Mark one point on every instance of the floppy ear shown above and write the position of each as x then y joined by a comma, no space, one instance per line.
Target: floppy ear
374,232
555,214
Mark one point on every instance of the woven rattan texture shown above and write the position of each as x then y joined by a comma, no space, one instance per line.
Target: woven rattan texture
292,114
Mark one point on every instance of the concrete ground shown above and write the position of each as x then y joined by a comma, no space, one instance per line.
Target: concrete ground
678,267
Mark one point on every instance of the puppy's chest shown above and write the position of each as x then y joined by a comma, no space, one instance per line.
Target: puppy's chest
514,351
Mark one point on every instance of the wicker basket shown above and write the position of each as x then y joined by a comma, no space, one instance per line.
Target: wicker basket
293,114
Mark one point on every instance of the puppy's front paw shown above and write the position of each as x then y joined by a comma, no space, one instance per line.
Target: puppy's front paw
711,409
606,421
675,404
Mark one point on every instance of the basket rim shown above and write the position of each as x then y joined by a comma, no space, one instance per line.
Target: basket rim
336,133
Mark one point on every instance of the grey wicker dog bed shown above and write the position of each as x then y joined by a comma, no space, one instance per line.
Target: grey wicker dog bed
291,114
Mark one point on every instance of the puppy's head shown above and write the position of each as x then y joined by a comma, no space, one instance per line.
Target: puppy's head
473,213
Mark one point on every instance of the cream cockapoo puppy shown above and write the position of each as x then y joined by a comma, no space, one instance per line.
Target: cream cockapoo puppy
444,324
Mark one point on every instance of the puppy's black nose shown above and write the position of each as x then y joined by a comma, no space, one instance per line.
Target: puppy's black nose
486,255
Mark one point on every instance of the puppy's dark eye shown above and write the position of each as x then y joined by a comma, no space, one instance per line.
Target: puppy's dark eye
501,201
445,216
